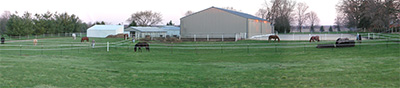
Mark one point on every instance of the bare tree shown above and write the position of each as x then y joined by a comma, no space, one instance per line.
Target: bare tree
146,18
301,14
340,20
262,13
280,14
369,14
3,21
188,13
312,19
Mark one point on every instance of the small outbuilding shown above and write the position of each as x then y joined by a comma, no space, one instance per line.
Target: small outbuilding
172,31
217,22
142,32
102,31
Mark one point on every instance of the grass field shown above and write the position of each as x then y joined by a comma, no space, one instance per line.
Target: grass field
63,62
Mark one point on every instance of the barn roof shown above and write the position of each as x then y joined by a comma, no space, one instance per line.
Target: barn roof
245,15
106,27
145,29
241,14
170,28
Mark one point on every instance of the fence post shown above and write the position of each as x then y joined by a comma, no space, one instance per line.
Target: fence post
373,35
369,36
194,37
19,37
61,50
208,37
20,51
248,51
222,37
108,46
41,51
276,49
172,48
236,38
222,49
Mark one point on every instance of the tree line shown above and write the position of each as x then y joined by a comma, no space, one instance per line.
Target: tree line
284,13
368,15
37,24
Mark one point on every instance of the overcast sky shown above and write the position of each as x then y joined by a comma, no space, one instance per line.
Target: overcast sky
117,11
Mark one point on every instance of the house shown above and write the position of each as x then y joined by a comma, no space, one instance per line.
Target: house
102,31
217,22
141,32
172,31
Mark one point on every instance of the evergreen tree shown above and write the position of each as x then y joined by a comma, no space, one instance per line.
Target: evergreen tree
133,23
322,29
338,28
330,29
170,23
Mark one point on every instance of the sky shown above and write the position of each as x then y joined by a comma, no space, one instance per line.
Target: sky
118,11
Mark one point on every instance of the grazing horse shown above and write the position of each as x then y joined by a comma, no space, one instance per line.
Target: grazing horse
74,36
142,44
85,38
314,38
273,37
35,41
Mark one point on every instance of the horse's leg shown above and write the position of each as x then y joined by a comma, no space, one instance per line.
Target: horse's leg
269,39
134,49
140,48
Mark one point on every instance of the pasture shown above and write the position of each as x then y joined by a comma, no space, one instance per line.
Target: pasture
63,62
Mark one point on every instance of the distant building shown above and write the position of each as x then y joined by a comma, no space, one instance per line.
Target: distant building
217,22
172,31
102,31
141,32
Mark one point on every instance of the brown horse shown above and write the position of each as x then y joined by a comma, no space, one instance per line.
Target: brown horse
273,37
314,38
126,36
142,44
85,38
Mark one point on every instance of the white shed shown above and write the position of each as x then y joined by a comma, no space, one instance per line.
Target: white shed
102,31
141,32
217,22
172,31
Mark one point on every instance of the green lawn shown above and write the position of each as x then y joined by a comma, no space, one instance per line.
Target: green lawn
63,62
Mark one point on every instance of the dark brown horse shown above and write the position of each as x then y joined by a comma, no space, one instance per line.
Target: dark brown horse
85,38
142,44
273,37
314,38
